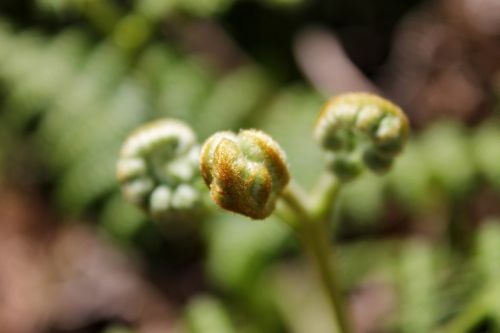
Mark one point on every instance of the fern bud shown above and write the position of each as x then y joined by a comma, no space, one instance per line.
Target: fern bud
344,166
158,168
361,129
246,172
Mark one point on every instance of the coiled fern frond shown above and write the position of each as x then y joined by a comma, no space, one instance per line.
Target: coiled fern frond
158,168
348,119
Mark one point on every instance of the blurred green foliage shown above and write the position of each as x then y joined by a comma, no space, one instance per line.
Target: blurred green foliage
83,74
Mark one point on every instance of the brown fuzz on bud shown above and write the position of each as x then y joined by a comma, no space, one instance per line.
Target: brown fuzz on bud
245,172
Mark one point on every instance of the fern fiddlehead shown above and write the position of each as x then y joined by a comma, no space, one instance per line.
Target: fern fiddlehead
361,129
158,168
245,172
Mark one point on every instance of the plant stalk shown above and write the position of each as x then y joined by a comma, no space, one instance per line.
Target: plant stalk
313,233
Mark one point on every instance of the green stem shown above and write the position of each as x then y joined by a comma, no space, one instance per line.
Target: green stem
324,196
314,233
